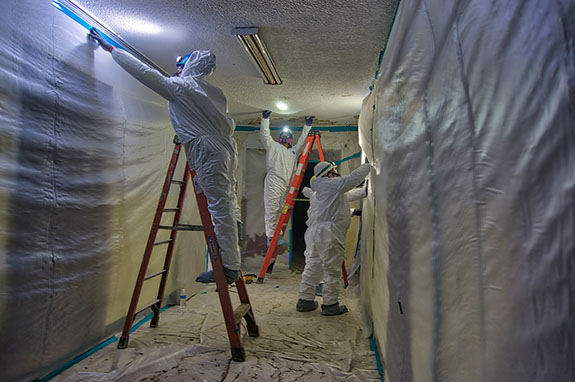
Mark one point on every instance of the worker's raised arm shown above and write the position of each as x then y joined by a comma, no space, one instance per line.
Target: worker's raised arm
265,135
301,141
348,182
307,192
150,77
356,193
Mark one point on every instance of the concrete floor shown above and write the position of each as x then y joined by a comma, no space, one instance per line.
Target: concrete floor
192,345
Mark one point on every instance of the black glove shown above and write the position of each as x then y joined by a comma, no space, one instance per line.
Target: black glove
356,212
266,114
309,120
96,36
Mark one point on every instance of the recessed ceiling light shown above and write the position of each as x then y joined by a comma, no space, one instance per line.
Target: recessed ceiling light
281,105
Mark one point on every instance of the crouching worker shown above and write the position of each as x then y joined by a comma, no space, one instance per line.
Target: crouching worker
331,218
198,112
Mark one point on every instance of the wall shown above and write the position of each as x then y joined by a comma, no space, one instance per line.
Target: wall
84,150
468,268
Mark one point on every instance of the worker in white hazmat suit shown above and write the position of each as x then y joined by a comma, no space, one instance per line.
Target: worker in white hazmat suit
355,194
198,112
280,161
327,236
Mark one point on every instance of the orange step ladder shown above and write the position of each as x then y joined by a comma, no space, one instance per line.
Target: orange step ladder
232,317
272,252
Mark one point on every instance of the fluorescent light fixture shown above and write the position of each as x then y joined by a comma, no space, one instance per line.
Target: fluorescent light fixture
259,54
281,105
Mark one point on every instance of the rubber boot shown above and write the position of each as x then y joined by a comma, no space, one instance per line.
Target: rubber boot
333,309
208,277
306,305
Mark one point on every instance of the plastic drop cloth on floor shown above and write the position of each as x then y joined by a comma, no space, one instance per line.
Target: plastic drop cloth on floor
193,345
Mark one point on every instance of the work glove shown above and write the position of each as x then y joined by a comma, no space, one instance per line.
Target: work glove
309,120
96,36
266,114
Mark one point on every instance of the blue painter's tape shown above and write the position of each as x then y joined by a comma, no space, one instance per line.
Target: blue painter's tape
356,155
78,359
373,347
68,12
147,318
101,345
338,162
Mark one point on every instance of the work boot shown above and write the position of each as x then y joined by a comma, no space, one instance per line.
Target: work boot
305,305
208,277
333,309
319,289
281,242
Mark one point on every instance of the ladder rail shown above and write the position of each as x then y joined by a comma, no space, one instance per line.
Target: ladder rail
230,316
287,209
130,316
171,245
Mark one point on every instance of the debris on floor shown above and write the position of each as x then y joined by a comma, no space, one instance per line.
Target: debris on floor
193,346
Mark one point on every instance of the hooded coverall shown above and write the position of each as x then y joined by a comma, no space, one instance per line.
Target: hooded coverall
325,237
280,162
198,112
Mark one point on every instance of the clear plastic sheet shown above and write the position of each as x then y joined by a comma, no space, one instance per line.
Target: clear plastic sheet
193,346
84,150
468,270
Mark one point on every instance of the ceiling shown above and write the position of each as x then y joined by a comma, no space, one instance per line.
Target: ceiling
326,51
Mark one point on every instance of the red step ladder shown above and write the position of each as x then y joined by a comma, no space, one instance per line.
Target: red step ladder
232,317
272,252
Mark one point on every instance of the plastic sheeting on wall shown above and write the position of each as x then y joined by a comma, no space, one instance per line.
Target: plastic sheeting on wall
468,271
84,152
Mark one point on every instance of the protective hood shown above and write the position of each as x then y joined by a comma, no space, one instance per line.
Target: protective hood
201,63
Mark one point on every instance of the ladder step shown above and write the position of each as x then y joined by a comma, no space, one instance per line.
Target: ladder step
178,182
240,312
146,307
163,242
155,274
171,209
183,227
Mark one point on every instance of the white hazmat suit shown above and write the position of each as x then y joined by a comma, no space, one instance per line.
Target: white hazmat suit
280,162
198,112
311,257
325,238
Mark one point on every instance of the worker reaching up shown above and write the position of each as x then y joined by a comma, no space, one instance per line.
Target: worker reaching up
330,218
280,161
199,116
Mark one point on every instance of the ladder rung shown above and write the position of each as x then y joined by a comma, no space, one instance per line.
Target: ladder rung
189,227
180,182
240,312
163,242
154,274
183,227
146,307
171,209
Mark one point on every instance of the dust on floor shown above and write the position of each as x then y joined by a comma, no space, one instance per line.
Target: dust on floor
193,346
